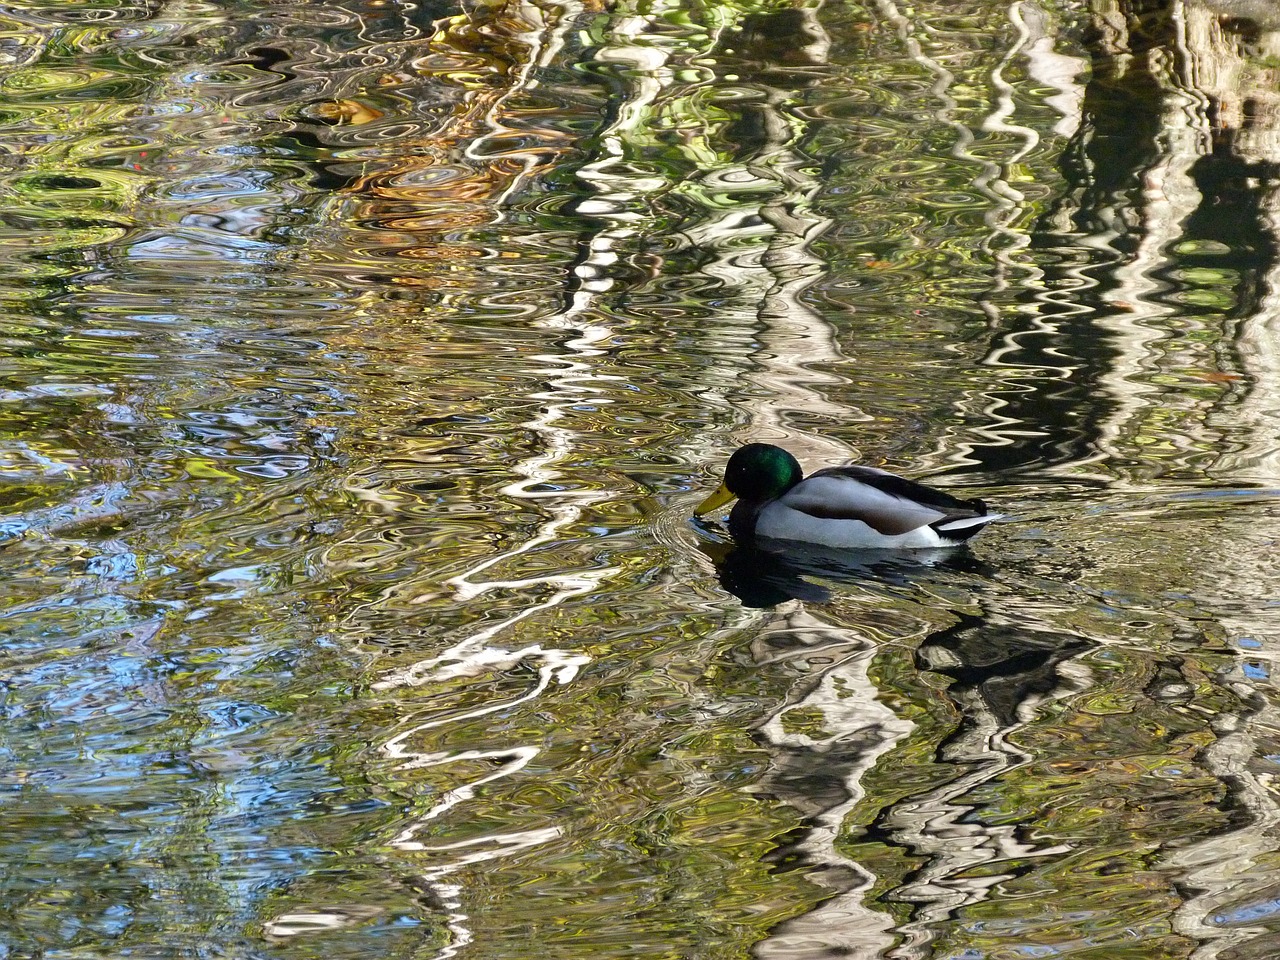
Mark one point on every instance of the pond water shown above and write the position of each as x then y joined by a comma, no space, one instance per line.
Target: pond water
363,363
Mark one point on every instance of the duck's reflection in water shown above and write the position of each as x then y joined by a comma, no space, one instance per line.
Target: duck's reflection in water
767,573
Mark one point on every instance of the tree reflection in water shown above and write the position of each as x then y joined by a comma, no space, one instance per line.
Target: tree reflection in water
362,363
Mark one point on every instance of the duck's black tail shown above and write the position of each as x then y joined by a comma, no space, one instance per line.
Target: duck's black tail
960,529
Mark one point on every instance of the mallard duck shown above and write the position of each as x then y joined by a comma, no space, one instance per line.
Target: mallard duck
849,507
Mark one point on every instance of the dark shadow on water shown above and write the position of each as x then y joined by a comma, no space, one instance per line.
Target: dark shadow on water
1005,664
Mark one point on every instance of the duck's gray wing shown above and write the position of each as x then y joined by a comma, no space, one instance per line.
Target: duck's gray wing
889,504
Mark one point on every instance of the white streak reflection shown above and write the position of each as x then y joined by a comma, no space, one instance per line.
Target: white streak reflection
861,730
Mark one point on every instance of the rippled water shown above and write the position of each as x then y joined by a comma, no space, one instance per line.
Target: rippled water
361,367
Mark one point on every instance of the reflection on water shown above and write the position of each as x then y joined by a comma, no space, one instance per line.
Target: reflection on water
767,576
361,365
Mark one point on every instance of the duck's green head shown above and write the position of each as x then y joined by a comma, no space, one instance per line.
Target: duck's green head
756,473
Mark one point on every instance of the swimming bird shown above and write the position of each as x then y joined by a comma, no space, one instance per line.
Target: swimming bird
851,507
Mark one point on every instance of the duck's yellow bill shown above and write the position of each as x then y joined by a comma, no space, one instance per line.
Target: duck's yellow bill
717,499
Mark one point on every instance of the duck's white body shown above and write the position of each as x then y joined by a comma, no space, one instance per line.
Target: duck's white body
845,508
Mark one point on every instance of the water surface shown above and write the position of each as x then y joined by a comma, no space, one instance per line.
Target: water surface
362,365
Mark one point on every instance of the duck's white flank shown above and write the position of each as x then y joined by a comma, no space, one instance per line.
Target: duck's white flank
841,511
